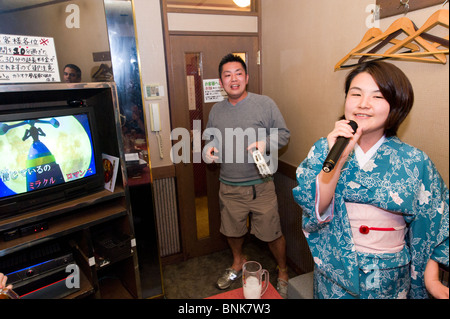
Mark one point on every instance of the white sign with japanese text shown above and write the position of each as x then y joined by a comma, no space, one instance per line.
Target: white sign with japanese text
27,59
212,91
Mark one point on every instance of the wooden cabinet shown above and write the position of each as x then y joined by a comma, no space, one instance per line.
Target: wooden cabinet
96,228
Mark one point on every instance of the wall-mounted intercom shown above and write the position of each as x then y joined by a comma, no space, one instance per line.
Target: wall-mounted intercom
155,124
155,120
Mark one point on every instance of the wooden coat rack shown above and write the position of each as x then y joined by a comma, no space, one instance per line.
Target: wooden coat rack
389,8
416,38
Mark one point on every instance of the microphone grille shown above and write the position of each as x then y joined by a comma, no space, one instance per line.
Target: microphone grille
354,125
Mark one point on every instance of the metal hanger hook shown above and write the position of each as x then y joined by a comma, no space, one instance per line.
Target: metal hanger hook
405,4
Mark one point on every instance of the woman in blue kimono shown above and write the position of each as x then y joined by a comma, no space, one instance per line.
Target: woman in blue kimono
378,224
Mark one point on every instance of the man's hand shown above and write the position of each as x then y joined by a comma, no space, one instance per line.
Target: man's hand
210,155
259,145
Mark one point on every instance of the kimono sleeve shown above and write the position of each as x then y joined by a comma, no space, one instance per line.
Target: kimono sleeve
429,231
305,193
441,206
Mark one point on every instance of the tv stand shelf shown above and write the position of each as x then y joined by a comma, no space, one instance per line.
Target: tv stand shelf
78,224
61,208
64,224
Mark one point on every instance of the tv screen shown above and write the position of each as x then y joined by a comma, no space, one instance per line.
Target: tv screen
46,152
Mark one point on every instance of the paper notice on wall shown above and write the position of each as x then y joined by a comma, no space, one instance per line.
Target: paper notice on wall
191,92
212,91
26,59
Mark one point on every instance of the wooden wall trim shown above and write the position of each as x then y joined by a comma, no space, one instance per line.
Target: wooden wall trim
255,10
213,33
163,172
286,169
390,8
208,11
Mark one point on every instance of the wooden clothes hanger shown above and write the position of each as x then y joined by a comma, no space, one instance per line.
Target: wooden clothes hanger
403,24
374,35
440,17
370,35
390,39
413,55
407,56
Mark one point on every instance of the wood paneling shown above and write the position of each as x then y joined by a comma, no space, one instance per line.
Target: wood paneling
390,8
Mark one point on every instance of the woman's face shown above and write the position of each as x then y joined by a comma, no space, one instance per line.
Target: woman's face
366,105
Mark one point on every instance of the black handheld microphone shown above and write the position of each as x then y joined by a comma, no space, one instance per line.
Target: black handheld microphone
337,149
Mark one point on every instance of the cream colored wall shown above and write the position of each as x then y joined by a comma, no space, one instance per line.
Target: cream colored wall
301,43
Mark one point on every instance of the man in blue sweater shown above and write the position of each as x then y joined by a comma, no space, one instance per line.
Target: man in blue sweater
237,126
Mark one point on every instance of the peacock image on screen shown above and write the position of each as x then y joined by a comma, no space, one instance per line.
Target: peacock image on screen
40,153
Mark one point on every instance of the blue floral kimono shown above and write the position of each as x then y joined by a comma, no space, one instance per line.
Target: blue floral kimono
398,178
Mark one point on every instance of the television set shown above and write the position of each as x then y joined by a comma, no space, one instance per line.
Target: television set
48,155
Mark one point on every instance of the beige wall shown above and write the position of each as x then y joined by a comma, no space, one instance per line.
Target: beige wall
301,43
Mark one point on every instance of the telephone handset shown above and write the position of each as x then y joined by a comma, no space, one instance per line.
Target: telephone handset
155,124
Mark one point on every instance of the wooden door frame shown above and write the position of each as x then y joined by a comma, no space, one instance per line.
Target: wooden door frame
171,91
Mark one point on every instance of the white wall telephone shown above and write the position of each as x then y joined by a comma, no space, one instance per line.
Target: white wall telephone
155,124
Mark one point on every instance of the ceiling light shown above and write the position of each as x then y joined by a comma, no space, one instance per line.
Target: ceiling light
242,3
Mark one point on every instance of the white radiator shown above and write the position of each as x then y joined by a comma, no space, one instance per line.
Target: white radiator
167,216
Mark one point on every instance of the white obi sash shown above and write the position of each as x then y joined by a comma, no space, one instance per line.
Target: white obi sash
376,230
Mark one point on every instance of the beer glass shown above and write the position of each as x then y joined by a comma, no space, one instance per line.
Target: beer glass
252,280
